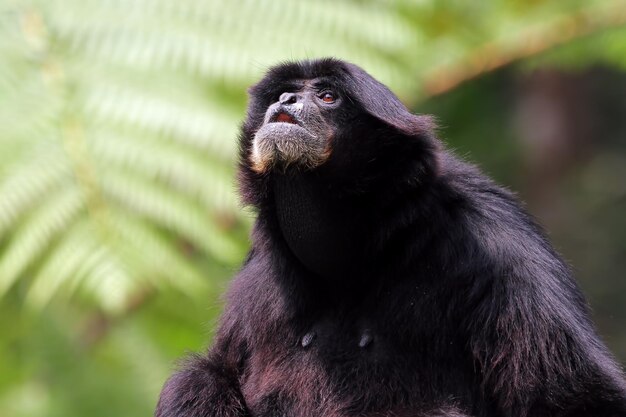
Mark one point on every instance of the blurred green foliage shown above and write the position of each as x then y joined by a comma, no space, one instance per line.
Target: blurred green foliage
119,220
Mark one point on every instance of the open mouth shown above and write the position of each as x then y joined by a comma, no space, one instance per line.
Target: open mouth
282,117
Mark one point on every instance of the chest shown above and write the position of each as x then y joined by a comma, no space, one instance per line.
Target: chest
341,364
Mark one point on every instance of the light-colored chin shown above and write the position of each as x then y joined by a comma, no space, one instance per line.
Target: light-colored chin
285,143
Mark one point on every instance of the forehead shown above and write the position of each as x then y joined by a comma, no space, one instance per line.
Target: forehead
307,70
314,83
298,75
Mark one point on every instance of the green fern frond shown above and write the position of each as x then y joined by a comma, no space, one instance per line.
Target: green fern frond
172,163
34,235
118,119
174,269
206,128
155,202
25,184
77,252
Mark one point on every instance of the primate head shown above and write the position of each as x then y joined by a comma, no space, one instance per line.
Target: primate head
309,114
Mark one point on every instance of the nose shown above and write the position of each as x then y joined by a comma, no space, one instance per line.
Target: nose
288,98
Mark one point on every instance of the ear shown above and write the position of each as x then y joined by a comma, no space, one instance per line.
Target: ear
380,102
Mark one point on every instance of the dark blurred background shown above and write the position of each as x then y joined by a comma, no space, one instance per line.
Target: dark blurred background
119,219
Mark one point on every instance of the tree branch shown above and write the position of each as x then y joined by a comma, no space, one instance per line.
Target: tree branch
533,41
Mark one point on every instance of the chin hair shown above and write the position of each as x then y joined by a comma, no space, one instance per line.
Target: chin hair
283,144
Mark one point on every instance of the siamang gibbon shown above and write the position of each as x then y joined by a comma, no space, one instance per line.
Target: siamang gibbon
386,277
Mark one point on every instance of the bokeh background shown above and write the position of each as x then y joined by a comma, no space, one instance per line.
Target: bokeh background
119,219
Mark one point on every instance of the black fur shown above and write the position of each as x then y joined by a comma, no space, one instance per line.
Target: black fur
393,280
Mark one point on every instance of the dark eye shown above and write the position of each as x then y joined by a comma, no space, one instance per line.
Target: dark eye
327,97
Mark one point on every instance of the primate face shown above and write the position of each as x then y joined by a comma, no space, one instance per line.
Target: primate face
298,126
